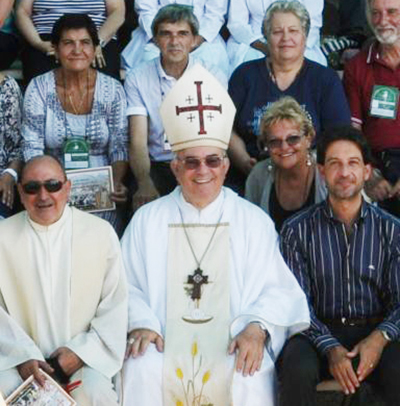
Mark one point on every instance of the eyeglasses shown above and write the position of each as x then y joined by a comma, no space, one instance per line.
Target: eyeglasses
211,161
52,186
276,143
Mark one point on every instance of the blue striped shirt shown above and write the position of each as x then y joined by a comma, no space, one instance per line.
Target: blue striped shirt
353,276
46,12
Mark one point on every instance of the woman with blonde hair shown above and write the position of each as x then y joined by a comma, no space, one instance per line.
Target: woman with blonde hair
289,180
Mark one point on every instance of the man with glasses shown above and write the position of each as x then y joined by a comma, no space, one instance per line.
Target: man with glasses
345,254
63,286
205,274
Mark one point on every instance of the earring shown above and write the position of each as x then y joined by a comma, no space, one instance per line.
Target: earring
309,159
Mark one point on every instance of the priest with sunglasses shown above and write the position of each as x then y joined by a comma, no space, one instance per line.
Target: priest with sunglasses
211,300
62,292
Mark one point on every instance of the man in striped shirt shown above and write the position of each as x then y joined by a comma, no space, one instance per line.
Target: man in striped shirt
345,254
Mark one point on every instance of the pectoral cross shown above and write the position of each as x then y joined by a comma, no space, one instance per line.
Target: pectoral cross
197,280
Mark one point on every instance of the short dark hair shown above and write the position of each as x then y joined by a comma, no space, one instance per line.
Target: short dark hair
72,21
173,13
342,133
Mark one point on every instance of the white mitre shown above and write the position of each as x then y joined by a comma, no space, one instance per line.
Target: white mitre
197,112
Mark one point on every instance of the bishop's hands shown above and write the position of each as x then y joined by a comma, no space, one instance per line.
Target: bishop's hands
140,339
369,350
249,347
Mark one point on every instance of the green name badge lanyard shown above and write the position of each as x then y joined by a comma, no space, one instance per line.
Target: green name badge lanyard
384,102
76,154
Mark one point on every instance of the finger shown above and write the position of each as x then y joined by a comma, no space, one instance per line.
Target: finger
232,347
46,367
364,369
253,366
351,379
240,361
354,352
159,344
128,350
10,198
342,381
135,347
38,376
144,343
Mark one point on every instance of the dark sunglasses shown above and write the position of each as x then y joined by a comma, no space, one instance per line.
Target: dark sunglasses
291,141
212,161
52,186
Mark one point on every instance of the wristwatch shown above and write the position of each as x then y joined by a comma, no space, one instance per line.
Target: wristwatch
13,173
385,335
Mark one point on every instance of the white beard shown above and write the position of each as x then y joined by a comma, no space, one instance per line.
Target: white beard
387,37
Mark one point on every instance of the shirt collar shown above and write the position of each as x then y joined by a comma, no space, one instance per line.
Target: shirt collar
328,212
161,71
192,214
52,227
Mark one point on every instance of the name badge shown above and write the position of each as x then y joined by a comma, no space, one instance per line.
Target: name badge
76,154
384,102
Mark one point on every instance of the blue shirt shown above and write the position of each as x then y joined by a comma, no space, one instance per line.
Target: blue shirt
316,88
353,276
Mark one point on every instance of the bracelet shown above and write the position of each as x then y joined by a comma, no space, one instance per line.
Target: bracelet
102,43
12,172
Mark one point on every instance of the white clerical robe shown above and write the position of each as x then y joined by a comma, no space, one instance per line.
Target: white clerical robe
262,289
62,285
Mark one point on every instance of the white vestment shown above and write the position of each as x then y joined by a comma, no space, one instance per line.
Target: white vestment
211,16
245,19
262,289
62,286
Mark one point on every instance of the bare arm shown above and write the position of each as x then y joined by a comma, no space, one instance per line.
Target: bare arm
5,10
28,30
239,155
120,193
114,20
260,46
140,161
7,183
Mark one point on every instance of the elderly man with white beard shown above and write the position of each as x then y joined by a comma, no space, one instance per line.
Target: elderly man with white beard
371,81
211,299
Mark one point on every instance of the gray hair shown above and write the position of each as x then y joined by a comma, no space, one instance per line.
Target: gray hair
173,13
293,7
286,108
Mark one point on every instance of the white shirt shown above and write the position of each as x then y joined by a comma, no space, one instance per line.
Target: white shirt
146,88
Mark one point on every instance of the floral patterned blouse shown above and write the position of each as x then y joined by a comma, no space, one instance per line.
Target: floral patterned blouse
10,122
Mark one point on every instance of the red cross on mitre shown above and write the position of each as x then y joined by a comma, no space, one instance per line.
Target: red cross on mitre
199,107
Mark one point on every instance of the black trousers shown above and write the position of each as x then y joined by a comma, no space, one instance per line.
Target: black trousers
9,49
300,368
162,177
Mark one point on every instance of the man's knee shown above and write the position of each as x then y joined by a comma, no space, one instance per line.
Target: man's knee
298,361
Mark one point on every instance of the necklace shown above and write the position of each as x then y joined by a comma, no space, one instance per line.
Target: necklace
305,189
76,110
198,279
